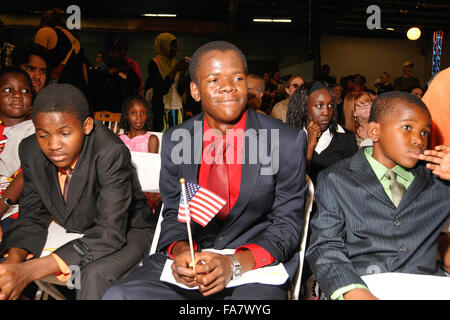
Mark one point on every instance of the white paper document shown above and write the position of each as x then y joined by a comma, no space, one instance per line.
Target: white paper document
57,236
274,275
406,286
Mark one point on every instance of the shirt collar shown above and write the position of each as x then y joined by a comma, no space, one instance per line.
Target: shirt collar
380,169
325,139
72,165
238,128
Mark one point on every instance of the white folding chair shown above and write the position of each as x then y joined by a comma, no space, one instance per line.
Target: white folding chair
148,166
295,290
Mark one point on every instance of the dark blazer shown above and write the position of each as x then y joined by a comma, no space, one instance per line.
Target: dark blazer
269,210
104,200
357,230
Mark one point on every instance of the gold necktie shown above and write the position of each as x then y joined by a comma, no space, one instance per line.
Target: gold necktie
397,189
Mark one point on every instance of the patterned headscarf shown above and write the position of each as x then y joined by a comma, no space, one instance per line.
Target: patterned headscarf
162,49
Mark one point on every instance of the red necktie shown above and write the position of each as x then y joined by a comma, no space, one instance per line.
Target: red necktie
218,177
69,172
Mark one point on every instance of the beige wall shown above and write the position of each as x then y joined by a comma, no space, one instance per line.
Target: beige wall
371,56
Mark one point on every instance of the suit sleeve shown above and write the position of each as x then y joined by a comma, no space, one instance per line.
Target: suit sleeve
113,204
326,253
29,231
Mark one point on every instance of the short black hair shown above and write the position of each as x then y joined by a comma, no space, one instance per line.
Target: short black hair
385,103
22,55
211,46
124,124
297,112
16,70
61,97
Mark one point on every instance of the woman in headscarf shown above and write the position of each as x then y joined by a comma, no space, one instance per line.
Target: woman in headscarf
164,75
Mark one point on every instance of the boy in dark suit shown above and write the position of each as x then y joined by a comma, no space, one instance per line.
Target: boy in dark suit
263,217
78,173
379,210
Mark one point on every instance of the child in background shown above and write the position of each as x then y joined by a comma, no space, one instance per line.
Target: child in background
136,122
15,105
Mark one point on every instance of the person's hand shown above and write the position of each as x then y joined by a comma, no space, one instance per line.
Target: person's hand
359,294
113,70
314,131
439,161
13,280
182,268
181,65
214,273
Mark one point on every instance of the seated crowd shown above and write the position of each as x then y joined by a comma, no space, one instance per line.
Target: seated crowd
245,146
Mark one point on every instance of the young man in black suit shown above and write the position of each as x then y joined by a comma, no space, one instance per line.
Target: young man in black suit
265,192
78,173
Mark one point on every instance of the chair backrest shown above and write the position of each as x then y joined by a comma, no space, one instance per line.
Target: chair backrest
110,119
157,231
294,292
147,166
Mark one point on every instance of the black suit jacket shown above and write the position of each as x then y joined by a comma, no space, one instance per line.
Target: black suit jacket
357,230
104,200
270,207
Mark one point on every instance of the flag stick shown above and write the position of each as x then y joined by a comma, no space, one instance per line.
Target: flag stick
188,221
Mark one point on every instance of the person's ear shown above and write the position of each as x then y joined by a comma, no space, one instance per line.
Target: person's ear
195,91
88,125
373,131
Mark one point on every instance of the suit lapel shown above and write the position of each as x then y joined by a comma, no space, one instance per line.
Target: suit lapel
367,179
421,180
49,188
79,177
190,169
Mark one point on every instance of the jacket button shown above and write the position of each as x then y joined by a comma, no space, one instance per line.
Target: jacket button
396,223
403,249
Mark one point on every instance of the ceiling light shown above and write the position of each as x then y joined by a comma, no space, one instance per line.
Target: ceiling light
273,20
262,20
167,15
390,29
413,33
282,20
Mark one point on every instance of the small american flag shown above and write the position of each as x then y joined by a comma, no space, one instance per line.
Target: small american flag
203,204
